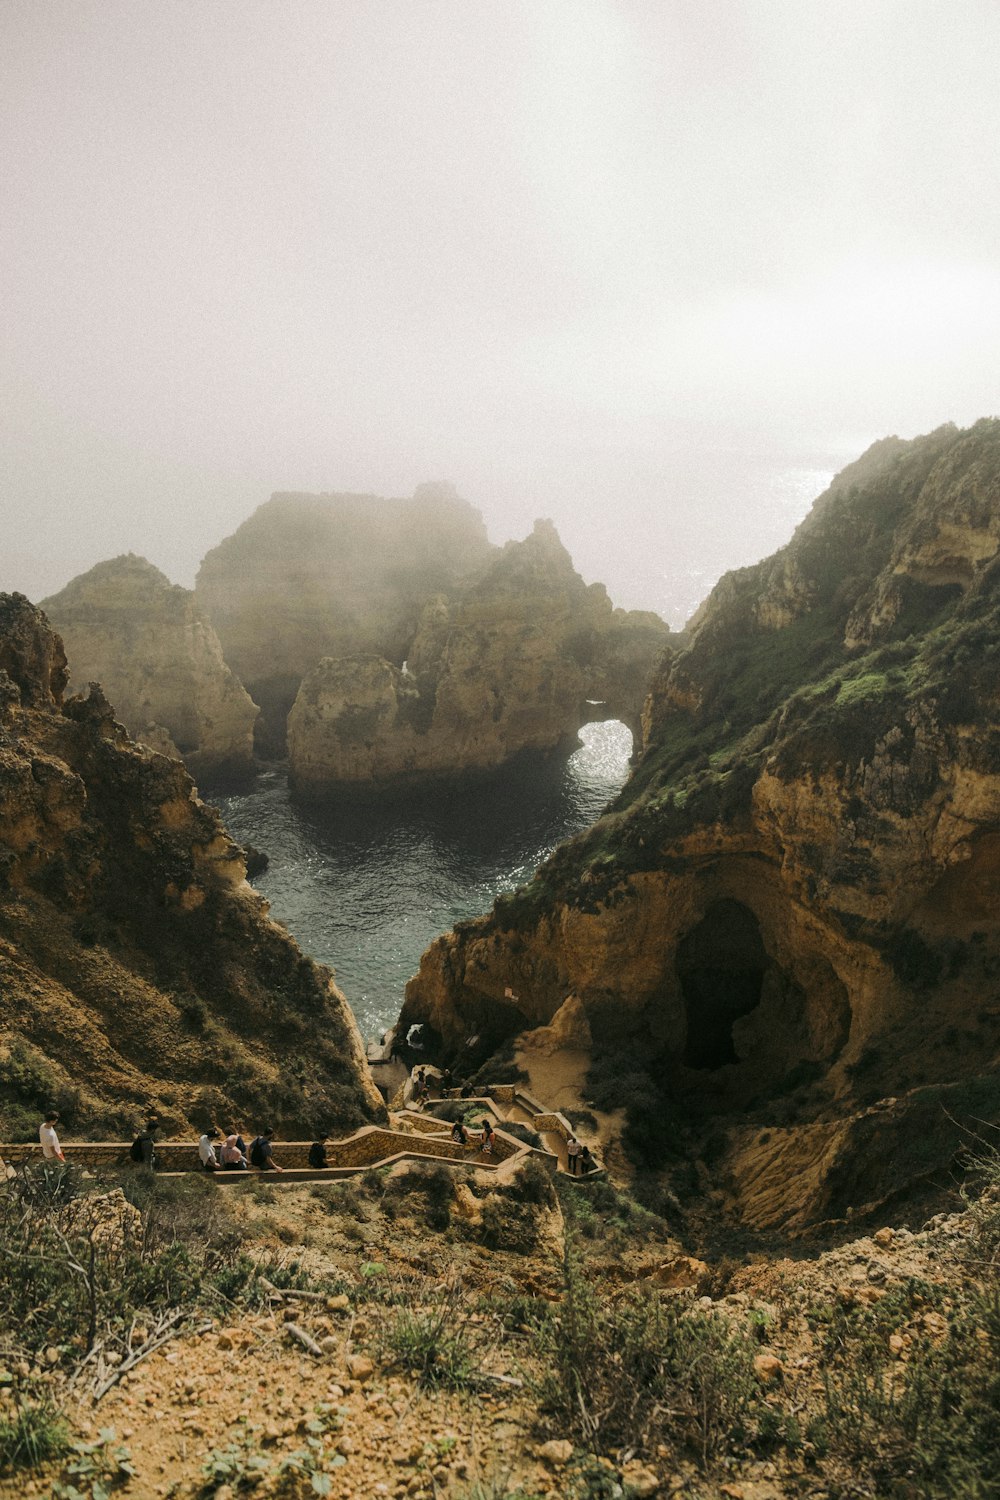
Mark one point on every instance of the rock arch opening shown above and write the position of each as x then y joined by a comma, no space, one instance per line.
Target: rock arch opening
721,965
605,742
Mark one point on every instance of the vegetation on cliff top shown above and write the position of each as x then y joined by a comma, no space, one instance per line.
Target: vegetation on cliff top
807,660
866,1371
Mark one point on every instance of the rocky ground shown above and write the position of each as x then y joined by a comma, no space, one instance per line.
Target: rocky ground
382,1356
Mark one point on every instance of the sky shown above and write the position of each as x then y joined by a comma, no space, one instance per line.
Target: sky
652,268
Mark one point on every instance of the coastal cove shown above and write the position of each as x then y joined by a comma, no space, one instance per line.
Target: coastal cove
365,887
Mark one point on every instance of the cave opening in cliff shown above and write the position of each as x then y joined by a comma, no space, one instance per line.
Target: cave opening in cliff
721,965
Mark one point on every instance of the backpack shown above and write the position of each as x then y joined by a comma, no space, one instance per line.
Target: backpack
135,1150
257,1157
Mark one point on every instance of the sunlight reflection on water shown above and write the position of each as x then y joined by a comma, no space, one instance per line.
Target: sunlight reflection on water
366,889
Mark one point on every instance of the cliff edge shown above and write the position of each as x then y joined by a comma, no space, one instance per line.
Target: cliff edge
791,915
138,970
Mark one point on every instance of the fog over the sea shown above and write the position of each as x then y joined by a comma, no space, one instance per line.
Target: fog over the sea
653,268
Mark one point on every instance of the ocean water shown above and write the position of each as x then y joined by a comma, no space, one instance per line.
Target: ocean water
366,889
670,536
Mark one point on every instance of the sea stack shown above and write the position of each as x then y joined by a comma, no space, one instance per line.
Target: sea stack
513,665
309,576
159,661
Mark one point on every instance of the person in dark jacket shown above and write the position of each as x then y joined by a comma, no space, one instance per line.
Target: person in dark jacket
261,1153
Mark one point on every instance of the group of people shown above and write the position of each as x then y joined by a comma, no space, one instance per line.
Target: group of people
462,1136
216,1152
579,1158
233,1154
230,1153
422,1085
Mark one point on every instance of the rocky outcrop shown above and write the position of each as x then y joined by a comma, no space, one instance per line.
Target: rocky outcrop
158,659
138,970
515,664
794,906
310,576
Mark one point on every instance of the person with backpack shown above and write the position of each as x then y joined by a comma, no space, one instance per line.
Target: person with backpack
143,1149
459,1134
261,1154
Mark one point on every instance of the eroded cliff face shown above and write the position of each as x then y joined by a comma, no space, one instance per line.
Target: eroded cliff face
138,970
514,664
310,576
793,910
159,661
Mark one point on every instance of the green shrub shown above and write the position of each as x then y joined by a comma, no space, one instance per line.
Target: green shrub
644,1370
508,1224
932,1429
532,1183
522,1132
432,1342
35,1435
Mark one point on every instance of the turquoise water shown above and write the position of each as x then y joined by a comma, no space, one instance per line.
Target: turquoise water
366,889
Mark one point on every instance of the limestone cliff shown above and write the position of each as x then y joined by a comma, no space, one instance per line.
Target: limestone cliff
793,909
308,576
513,664
138,970
159,661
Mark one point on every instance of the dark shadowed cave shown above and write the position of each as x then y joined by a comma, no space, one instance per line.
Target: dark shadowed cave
720,965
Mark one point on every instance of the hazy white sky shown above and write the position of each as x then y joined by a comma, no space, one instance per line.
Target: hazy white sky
646,266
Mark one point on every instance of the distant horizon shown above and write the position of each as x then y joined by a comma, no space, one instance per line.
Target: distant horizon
635,576
650,269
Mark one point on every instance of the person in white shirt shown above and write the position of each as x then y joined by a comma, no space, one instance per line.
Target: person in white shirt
206,1150
51,1149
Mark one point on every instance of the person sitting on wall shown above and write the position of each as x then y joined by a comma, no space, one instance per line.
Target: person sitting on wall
459,1134
143,1148
261,1154
317,1152
206,1150
233,1158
